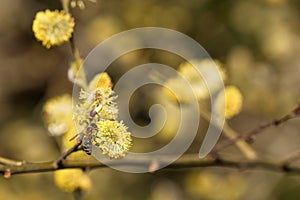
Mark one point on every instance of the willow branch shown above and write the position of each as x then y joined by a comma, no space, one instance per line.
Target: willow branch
64,155
9,167
292,158
186,161
250,135
243,146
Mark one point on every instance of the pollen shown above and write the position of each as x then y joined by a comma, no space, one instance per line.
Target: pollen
53,28
101,102
113,139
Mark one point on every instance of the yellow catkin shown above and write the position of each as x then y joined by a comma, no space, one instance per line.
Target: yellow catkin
53,27
196,76
233,99
57,113
113,139
101,80
70,180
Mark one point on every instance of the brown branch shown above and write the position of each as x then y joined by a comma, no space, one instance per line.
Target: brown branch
9,167
64,155
250,136
186,161
243,146
292,158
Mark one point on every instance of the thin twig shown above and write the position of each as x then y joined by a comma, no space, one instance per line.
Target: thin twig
65,4
243,146
249,136
64,155
292,158
78,71
9,162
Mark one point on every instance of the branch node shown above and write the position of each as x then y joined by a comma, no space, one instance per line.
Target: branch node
7,174
250,139
216,159
154,166
58,162
276,122
296,110
286,168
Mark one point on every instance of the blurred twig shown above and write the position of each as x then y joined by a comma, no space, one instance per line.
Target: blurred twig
9,162
292,158
250,136
65,4
244,147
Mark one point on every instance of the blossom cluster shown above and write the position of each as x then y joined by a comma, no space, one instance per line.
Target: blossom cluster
97,109
203,77
95,116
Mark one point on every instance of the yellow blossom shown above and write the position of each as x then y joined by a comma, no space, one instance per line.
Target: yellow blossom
53,27
197,80
233,99
57,114
70,180
100,101
101,80
175,89
113,139
96,116
205,75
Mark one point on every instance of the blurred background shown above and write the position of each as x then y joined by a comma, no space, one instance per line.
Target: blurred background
258,42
